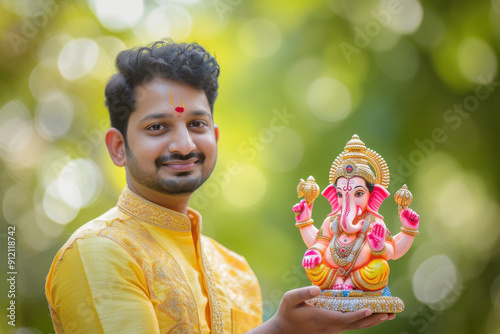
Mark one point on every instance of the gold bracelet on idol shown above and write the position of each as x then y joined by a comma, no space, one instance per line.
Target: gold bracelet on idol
380,252
304,223
409,231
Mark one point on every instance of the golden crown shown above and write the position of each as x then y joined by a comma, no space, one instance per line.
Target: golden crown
355,161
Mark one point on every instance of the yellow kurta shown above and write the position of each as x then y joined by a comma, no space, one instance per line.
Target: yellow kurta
141,268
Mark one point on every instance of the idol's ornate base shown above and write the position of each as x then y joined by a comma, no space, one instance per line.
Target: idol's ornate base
353,300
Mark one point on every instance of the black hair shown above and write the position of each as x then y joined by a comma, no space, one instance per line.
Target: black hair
185,62
370,186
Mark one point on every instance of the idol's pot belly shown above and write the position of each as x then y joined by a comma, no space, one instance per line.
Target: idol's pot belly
363,259
328,259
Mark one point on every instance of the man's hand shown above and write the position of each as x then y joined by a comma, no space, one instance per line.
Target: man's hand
294,315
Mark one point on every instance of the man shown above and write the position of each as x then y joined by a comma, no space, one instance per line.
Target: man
144,266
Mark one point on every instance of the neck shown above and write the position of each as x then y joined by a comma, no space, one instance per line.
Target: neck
176,203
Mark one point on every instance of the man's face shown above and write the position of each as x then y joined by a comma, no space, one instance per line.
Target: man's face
169,151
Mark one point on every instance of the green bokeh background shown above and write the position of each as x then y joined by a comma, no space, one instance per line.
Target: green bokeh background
417,81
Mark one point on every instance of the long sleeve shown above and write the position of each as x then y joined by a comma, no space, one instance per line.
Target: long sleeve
141,268
97,287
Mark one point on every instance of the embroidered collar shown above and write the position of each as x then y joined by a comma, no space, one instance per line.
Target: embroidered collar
148,212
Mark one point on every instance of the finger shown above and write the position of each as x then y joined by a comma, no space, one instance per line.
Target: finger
300,295
381,233
370,321
347,318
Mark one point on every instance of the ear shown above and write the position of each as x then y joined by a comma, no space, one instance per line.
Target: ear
330,193
116,146
378,195
216,130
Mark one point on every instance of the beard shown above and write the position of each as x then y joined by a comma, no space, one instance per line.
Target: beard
183,183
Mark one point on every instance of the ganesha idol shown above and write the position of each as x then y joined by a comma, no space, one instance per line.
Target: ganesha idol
347,257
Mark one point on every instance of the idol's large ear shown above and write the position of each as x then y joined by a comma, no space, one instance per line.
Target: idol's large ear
330,193
377,196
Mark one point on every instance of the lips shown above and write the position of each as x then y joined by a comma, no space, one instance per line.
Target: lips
181,165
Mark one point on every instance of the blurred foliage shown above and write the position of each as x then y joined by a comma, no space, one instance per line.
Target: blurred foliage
417,81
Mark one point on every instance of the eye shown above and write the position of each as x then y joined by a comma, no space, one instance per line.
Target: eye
339,195
359,193
155,127
199,124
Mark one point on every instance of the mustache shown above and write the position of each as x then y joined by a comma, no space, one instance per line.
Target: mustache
177,156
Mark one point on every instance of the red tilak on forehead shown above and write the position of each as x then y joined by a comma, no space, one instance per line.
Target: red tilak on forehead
180,110
347,187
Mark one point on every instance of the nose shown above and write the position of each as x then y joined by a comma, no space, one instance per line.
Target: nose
181,142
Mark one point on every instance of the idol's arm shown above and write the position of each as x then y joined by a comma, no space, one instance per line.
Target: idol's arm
403,240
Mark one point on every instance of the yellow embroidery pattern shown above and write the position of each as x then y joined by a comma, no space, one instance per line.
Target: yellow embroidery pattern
240,285
217,324
148,212
169,291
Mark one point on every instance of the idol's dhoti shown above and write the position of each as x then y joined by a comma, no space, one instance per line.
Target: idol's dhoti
374,276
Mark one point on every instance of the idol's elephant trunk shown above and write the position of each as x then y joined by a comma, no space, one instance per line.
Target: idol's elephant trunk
349,212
